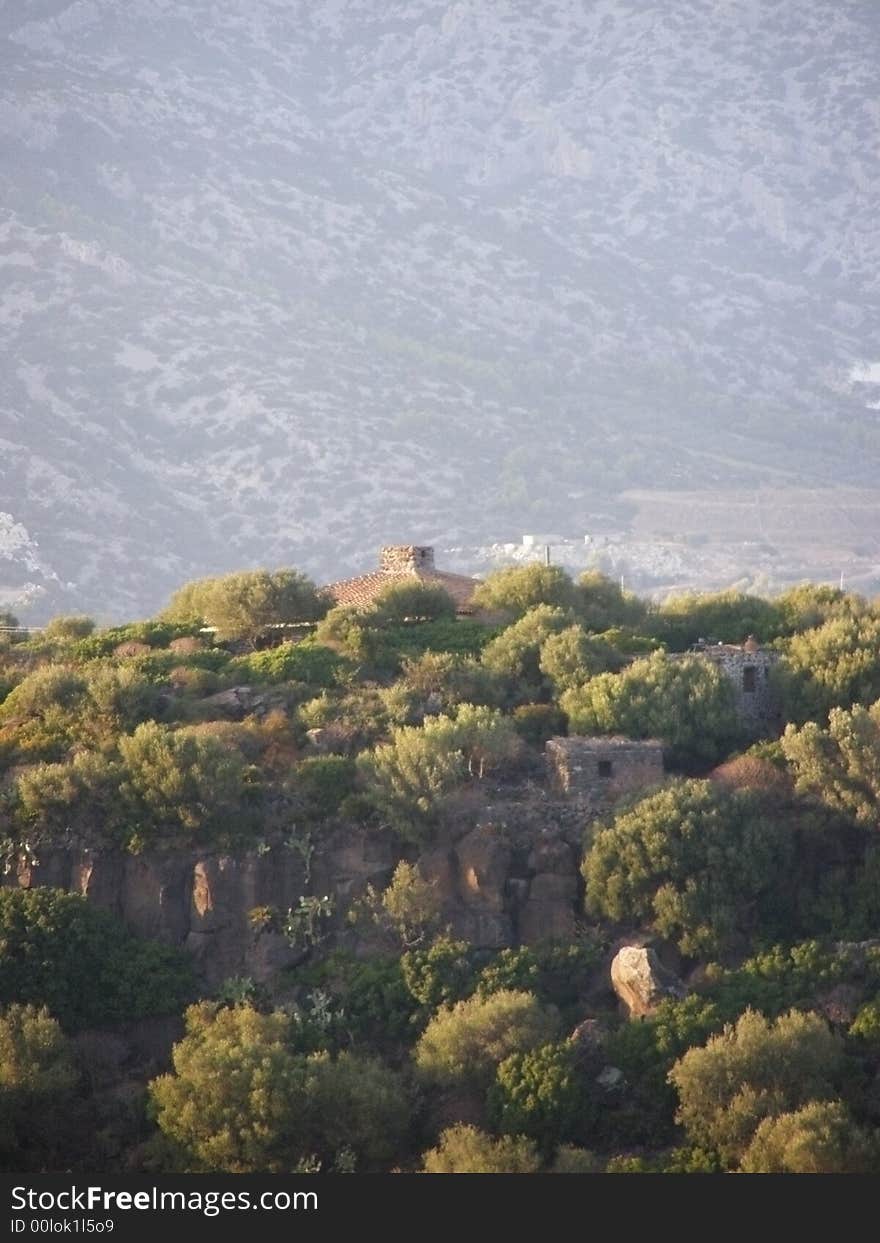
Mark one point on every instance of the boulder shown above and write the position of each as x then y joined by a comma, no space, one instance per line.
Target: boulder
641,981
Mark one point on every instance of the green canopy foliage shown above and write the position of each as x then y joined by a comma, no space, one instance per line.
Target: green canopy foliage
59,951
686,703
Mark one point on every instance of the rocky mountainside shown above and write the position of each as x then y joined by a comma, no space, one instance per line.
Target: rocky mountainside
282,281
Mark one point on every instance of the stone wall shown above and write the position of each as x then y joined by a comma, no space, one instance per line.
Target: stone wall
402,558
602,770
748,669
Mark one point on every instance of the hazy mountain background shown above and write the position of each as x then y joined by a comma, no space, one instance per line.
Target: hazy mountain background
281,281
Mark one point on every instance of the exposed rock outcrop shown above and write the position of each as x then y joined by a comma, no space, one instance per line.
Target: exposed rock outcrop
641,981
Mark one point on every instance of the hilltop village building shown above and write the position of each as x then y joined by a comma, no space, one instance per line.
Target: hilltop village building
748,668
401,563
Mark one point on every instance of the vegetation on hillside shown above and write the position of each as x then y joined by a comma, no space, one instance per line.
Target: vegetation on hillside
252,717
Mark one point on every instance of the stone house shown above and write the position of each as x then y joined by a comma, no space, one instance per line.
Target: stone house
748,668
401,563
603,770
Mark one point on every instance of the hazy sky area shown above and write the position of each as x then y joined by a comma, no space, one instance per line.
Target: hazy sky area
281,282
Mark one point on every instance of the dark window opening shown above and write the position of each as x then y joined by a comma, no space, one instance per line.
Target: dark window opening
606,768
749,679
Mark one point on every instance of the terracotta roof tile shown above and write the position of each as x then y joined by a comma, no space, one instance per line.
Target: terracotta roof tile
364,589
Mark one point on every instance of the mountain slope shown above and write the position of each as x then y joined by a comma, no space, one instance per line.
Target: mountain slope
282,281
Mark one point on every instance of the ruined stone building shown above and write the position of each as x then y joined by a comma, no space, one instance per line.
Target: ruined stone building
748,668
599,771
401,563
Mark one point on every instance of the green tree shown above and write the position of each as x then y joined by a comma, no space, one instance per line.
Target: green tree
68,629
409,907
59,951
37,1081
410,600
694,863
408,776
603,605
518,589
810,605
466,1150
181,782
754,1070
242,1100
723,617
840,764
439,975
79,796
543,1093
836,665
240,605
40,713
686,703
465,1043
357,1104
572,657
820,1138
237,1100
515,654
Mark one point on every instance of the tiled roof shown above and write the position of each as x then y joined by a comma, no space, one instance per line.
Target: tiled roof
363,590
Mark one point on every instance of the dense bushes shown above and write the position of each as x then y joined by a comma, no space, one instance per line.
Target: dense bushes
465,1043
388,1035
687,704
59,951
717,870
755,1070
241,1099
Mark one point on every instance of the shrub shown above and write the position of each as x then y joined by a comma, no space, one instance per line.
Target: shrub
535,723
515,653
687,703
544,1094
465,1043
68,629
754,1070
836,665
439,975
307,661
571,657
557,974
242,1101
820,1138
242,604
323,782
722,617
408,601
37,1080
694,863
517,589
59,951
467,1150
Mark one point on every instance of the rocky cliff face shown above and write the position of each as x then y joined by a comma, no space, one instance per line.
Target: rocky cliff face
500,886
285,281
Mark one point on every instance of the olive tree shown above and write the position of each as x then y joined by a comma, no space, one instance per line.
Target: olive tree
464,1043
465,1149
687,704
753,1070
696,863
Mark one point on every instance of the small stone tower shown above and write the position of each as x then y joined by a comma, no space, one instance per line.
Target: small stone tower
406,558
748,668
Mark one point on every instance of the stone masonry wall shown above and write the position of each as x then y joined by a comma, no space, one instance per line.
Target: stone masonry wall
603,769
400,558
748,669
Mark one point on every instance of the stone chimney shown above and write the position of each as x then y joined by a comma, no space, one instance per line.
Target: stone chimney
405,558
